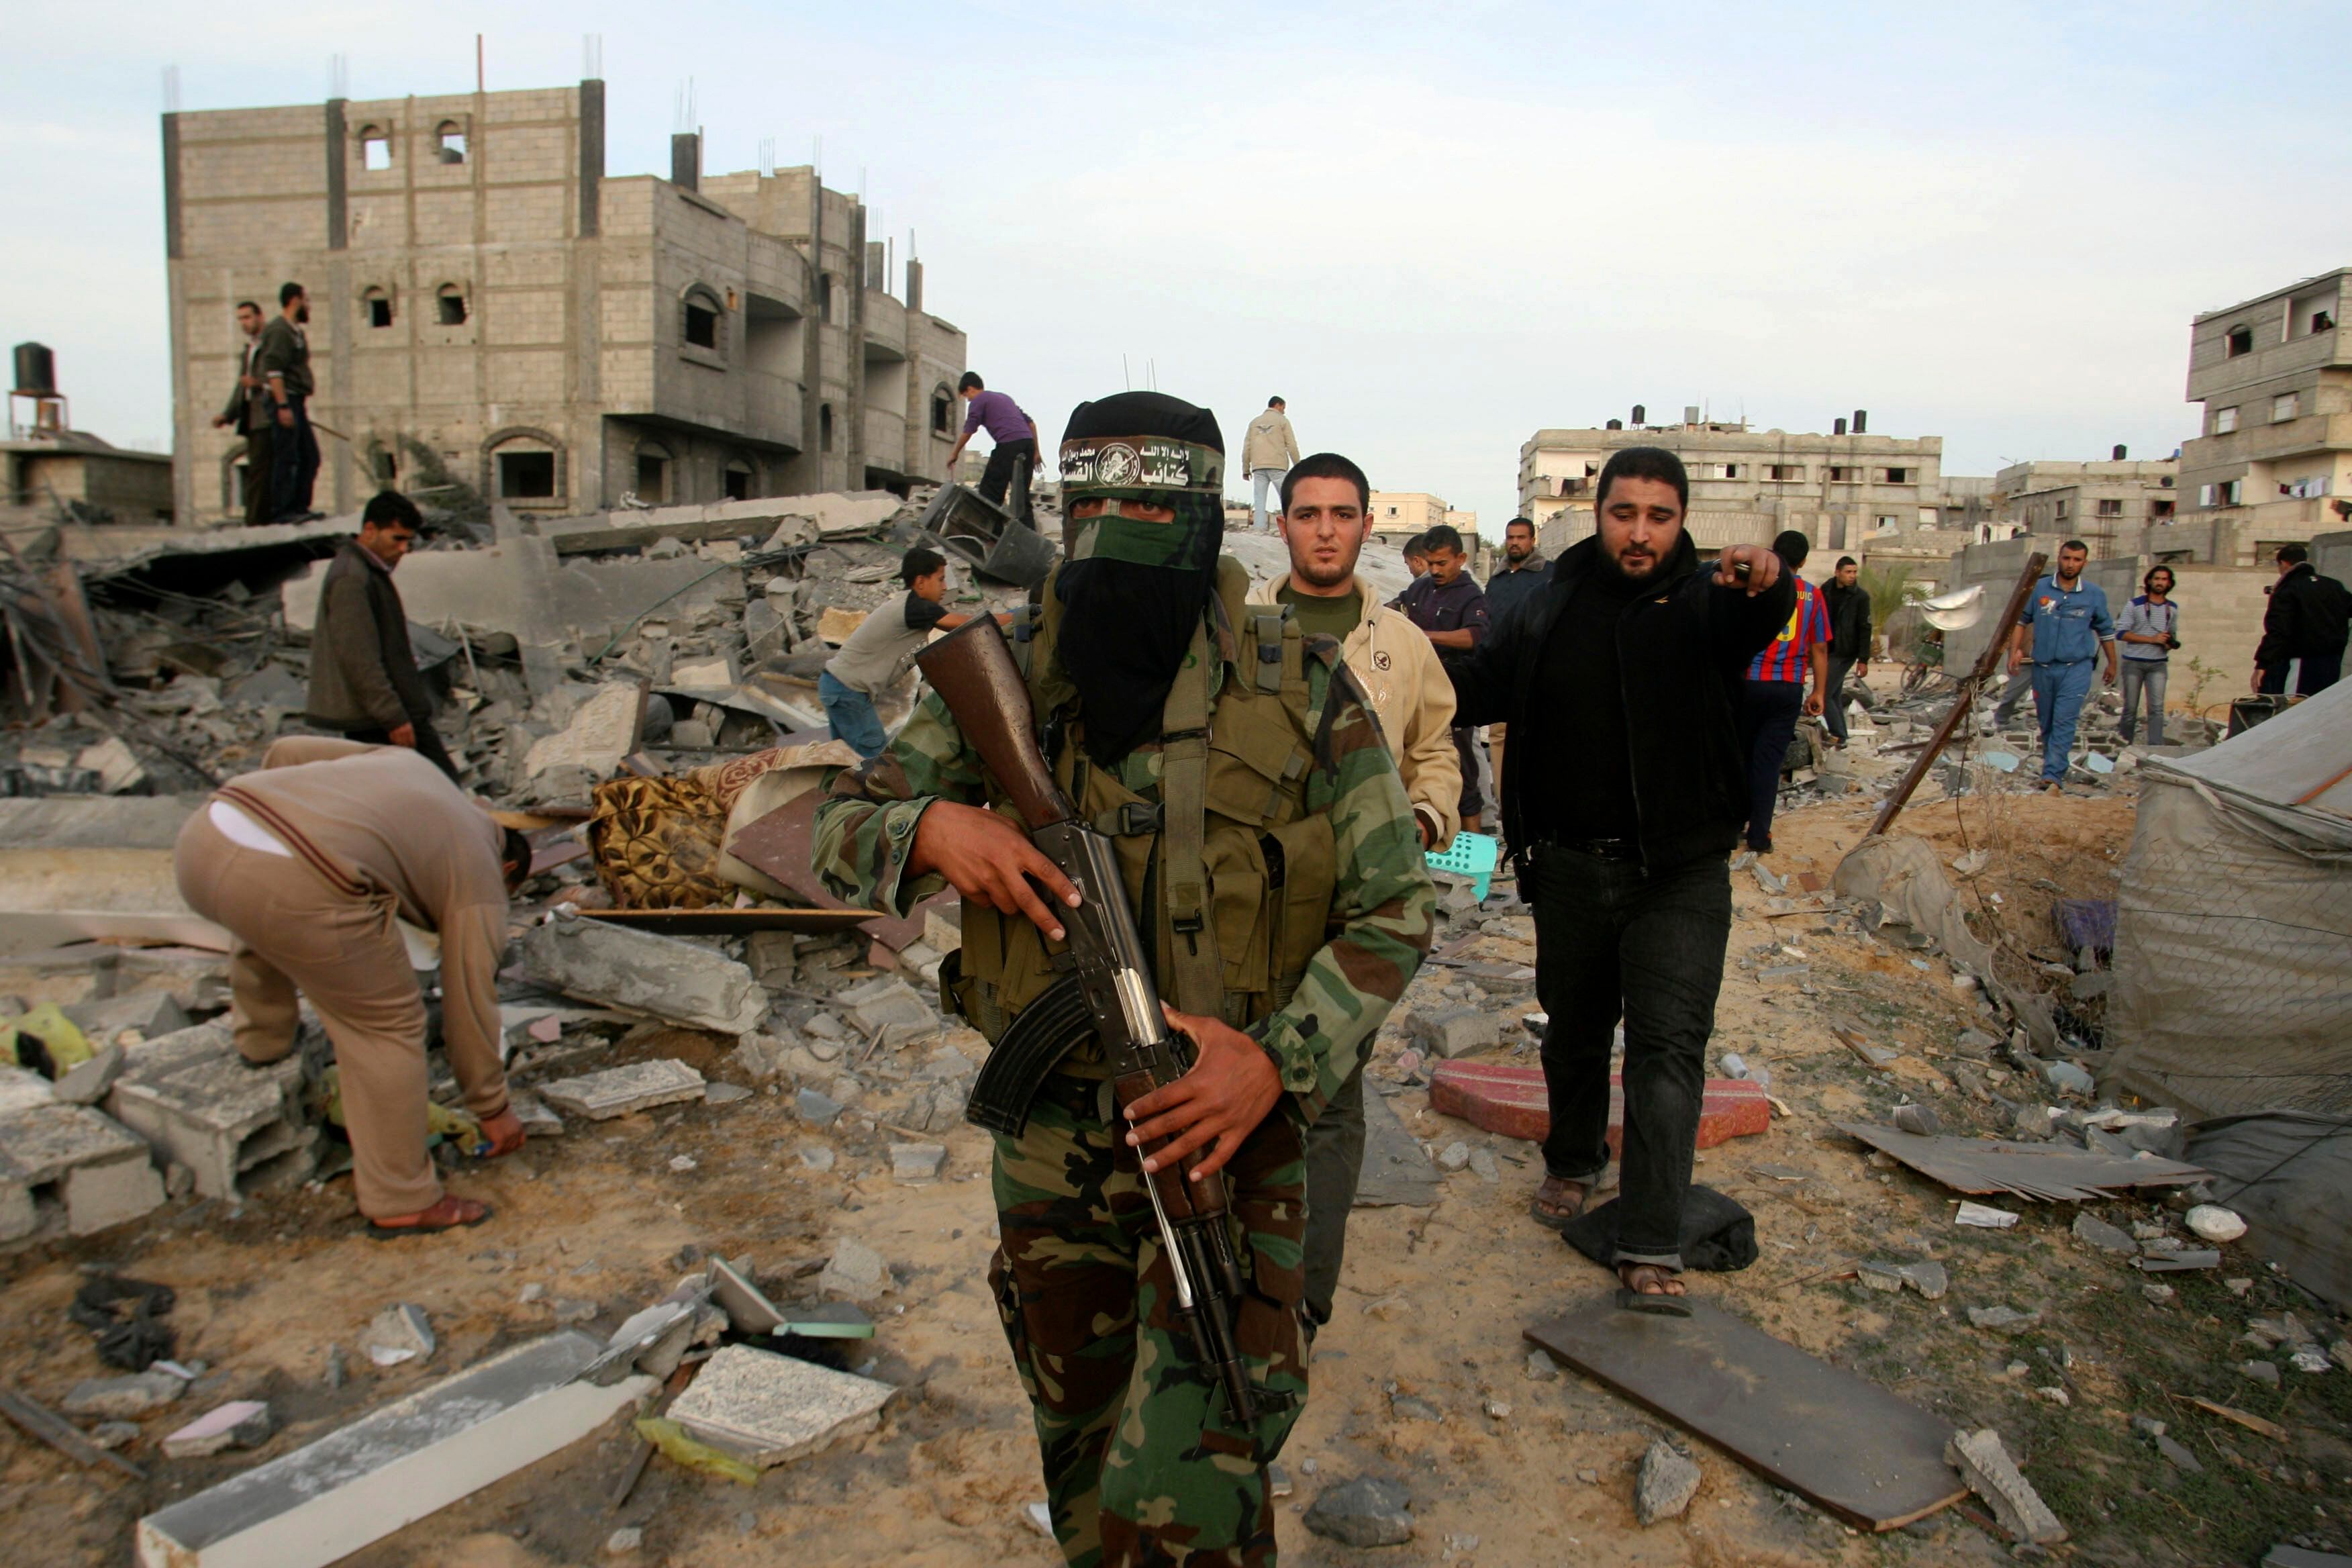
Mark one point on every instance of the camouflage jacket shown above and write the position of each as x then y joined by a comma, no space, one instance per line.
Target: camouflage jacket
1383,903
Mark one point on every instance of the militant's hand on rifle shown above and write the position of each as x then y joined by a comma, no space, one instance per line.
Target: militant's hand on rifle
1231,1086
987,858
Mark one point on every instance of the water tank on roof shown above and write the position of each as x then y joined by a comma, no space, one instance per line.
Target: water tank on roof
1841,426
1690,413
1861,421
2119,451
1638,412
36,368
1616,425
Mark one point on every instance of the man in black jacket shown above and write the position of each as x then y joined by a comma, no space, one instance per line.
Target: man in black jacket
364,677
1849,607
2308,619
1625,792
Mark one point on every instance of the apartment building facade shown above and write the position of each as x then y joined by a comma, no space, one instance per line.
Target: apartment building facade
489,311
2273,461
2104,504
1746,485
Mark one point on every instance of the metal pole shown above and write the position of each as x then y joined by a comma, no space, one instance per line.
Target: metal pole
1962,704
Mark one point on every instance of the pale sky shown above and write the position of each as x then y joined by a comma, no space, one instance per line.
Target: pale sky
1432,229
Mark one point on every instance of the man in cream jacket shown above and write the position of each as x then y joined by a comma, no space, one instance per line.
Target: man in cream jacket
1325,517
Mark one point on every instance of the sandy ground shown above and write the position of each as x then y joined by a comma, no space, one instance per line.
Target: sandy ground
1518,1471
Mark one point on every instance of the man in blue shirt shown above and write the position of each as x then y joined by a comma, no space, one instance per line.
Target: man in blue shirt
2062,629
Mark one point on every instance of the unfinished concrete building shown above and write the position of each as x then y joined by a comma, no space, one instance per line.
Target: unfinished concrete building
490,310
2104,505
2273,463
1747,485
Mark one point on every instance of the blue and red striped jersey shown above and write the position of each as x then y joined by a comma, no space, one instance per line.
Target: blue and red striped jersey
1784,657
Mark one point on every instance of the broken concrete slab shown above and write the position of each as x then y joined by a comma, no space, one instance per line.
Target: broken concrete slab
197,1101
1396,1168
88,1082
662,976
95,1168
887,1003
2029,1170
399,1334
618,1091
601,734
22,1089
153,1013
196,978
124,1398
1455,1031
394,1466
914,1162
855,1272
2092,1231
1986,1465
239,1424
766,1408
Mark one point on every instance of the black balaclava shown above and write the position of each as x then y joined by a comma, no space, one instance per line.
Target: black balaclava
1133,595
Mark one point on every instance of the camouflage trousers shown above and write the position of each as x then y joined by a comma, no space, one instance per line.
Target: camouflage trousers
1143,1464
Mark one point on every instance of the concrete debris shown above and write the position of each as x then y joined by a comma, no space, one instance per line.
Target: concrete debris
236,1126
817,1157
767,1409
325,1500
664,977
88,1082
1983,1216
124,1398
239,1424
816,1108
603,731
1364,1512
399,1334
624,1540
1918,1118
68,1163
917,1162
855,1272
2093,1231
1456,1031
150,1013
2004,1320
888,1006
1665,1484
2213,1223
619,1092
1986,1465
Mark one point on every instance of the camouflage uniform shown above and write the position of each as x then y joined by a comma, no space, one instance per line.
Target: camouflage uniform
1141,1462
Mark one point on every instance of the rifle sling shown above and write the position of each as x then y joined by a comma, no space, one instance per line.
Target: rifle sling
1196,972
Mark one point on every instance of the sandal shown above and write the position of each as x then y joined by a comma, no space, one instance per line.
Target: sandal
452,1213
1658,1302
1548,1208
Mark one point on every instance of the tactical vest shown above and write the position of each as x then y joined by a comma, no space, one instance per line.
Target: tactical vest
1234,910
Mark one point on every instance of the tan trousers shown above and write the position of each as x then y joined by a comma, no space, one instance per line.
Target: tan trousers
292,931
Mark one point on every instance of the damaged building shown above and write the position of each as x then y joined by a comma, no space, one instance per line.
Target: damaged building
493,316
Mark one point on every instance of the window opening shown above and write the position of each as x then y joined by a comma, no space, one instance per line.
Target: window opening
737,481
451,140
2225,420
453,306
375,149
386,467
527,476
701,325
824,426
653,478
2241,341
379,307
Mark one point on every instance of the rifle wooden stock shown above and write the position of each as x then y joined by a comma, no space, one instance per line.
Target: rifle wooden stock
972,671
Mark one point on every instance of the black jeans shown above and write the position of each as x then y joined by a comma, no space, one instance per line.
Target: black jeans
1834,696
2313,676
1613,940
1767,722
1335,1163
997,477
295,464
1465,747
428,744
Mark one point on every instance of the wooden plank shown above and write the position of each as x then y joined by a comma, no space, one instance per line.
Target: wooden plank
730,922
1841,1440
2049,1171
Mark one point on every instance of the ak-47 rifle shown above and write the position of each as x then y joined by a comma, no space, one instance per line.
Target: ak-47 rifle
973,671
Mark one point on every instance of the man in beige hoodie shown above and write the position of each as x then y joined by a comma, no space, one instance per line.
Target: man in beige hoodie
1267,451
1325,517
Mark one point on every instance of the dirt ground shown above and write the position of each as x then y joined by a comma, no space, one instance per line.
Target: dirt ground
1518,1471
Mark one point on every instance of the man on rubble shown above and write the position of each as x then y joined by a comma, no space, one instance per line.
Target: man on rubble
307,863
1450,608
1621,680
282,360
2305,627
1267,452
1777,690
1016,435
247,412
1325,519
1848,603
2062,628
1143,648
1518,578
364,677
883,649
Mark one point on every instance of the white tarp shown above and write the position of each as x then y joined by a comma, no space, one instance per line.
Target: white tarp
2233,928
